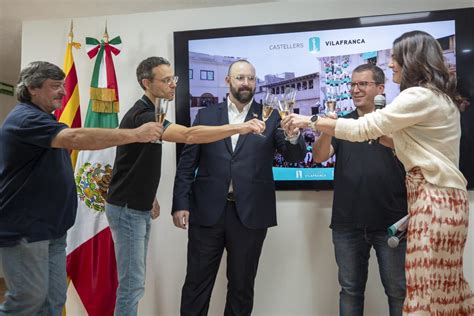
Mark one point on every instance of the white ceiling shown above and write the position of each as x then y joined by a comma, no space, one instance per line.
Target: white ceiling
13,12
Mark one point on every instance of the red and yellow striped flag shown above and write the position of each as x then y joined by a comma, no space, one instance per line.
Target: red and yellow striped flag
70,112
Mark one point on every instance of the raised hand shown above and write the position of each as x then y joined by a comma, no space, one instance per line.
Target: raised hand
252,126
293,122
332,115
149,132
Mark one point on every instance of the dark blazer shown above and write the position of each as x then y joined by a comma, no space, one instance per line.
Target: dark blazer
204,192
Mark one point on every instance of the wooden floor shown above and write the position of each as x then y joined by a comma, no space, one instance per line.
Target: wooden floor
2,289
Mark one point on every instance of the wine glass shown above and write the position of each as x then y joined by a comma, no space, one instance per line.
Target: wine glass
269,101
285,106
268,105
330,107
289,98
161,108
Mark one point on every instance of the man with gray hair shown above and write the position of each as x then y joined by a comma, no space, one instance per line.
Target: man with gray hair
37,190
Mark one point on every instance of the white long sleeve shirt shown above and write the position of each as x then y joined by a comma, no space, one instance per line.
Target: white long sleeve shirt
426,132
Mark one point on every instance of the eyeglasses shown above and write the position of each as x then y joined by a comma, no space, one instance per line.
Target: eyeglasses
361,84
170,80
241,78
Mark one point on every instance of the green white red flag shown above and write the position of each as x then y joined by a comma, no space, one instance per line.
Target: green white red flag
91,263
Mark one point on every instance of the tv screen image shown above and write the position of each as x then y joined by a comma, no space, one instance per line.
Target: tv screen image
317,62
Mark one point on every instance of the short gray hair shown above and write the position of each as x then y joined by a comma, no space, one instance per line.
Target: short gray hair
34,75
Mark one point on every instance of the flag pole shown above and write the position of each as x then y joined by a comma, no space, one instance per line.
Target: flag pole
71,34
106,34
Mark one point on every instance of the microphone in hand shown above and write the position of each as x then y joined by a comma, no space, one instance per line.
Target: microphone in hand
379,101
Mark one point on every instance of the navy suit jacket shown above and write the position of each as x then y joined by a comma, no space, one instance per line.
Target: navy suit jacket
204,171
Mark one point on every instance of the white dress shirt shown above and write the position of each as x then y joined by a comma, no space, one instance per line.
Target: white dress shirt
236,117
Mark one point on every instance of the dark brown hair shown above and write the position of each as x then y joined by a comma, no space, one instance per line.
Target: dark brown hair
145,68
377,73
421,58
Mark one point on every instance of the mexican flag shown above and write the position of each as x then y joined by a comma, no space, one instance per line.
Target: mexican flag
90,251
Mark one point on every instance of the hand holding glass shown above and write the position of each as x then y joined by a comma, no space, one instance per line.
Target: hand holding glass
285,106
289,100
330,108
267,107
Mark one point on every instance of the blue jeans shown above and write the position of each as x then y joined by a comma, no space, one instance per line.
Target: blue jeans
352,249
35,276
130,232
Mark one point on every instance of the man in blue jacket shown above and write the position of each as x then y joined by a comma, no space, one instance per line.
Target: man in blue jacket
38,198
230,202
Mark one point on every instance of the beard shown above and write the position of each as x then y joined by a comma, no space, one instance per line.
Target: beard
242,94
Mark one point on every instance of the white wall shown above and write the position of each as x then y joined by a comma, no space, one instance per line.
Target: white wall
297,273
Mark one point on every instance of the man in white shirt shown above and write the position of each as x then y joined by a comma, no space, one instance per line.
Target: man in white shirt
229,201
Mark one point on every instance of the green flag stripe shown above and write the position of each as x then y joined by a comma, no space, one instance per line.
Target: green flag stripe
96,72
100,120
94,119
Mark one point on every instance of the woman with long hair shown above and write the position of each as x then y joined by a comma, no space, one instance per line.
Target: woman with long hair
424,122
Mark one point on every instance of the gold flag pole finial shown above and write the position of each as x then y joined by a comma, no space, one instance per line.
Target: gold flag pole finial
71,34
106,35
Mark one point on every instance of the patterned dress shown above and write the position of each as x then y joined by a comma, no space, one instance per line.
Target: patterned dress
437,233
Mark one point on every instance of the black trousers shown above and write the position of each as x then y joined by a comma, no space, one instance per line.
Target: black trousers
205,248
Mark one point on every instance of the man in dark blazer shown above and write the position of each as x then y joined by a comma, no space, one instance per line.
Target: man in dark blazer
226,191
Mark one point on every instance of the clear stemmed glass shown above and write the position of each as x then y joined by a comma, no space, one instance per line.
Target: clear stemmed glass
330,107
161,108
269,101
289,98
285,106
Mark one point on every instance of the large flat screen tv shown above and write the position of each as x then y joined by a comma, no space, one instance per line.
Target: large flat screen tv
317,59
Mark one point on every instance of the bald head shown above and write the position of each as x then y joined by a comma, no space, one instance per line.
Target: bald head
238,63
242,82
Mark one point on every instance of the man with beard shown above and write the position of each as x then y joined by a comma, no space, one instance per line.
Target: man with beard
225,191
131,199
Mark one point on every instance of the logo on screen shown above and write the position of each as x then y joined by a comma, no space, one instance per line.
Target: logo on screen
314,44
299,174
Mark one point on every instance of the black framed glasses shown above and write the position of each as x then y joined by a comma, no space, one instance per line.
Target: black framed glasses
362,85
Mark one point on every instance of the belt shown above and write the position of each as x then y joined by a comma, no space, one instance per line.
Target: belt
230,197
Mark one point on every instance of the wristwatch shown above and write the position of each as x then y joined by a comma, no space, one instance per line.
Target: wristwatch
312,122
